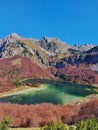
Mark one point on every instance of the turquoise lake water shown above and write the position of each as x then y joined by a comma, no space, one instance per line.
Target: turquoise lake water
56,93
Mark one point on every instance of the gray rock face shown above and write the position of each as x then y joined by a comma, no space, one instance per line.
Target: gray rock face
94,67
45,48
11,46
82,58
93,50
10,38
84,47
53,45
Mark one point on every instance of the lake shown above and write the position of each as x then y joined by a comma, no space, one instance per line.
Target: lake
54,92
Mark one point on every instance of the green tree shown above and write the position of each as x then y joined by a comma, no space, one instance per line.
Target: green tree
55,126
72,127
89,124
5,123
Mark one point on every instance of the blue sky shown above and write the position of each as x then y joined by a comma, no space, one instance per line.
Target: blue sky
73,21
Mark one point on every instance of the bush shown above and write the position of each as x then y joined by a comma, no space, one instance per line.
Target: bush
5,124
89,124
55,126
72,127
17,83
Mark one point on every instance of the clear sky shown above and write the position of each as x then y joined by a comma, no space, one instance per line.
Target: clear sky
73,21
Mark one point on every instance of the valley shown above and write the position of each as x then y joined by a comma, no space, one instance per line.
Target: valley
43,79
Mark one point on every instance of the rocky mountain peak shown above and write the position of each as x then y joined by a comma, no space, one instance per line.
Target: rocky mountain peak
15,35
10,38
9,45
52,39
84,47
93,50
53,45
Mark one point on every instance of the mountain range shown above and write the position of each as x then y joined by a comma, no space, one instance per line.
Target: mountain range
47,58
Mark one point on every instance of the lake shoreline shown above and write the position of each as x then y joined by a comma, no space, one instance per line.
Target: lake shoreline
46,91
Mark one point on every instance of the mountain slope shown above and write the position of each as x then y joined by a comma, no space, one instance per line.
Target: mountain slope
41,49
46,58
17,68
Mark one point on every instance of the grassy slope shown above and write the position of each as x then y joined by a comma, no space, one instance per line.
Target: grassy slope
35,46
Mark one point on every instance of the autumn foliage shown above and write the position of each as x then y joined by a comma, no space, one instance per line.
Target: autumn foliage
81,73
17,68
42,114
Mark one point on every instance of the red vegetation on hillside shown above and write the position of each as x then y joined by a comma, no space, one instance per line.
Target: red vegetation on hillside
42,114
78,73
18,67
